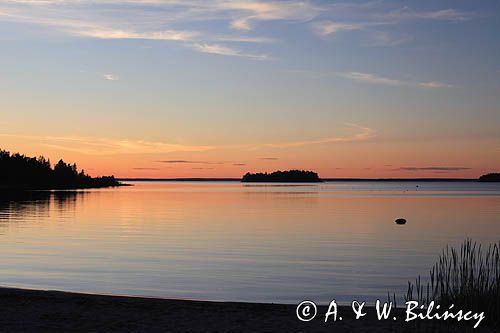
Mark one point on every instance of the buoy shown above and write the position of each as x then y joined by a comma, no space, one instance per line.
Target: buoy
400,221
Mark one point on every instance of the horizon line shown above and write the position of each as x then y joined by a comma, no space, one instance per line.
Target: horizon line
324,179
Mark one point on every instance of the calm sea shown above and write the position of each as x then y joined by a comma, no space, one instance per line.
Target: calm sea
230,241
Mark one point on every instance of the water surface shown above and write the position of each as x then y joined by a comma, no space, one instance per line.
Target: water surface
230,241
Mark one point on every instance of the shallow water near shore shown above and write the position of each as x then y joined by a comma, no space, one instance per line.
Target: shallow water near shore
241,242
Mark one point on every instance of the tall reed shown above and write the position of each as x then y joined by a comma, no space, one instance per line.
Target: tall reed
469,278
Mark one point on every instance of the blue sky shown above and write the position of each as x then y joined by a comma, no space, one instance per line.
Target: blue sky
318,81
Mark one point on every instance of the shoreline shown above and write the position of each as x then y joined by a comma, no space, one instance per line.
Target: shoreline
61,188
28,310
323,180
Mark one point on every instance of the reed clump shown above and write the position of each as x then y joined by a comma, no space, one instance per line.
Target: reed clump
468,277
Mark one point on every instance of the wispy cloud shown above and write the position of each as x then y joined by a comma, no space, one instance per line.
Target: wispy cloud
146,169
188,162
128,19
449,14
165,35
246,12
226,51
325,28
375,79
433,168
160,20
111,77
434,84
372,16
106,146
371,78
384,38
363,134
244,39
86,27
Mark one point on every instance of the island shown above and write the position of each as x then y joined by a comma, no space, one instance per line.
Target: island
289,176
490,177
20,172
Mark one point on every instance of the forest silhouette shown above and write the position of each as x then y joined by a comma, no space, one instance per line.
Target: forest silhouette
290,176
490,177
18,171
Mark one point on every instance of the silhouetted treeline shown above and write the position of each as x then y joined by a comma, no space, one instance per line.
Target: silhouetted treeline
290,176
491,177
22,172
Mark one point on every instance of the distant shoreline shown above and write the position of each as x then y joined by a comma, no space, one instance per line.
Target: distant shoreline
324,179
57,188
24,173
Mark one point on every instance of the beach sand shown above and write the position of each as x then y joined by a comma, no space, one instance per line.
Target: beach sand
48,311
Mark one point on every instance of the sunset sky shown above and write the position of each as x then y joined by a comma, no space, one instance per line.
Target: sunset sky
216,88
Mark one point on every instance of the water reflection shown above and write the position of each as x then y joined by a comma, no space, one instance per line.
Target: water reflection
229,241
35,205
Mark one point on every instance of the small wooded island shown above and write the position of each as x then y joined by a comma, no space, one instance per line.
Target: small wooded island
290,176
490,177
20,172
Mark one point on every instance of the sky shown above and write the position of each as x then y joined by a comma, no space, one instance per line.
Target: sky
217,88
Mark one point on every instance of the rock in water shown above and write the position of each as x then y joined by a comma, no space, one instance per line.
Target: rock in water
400,221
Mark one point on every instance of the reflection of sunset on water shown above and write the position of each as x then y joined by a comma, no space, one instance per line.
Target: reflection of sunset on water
227,240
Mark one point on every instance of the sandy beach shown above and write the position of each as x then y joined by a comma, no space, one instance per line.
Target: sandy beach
48,311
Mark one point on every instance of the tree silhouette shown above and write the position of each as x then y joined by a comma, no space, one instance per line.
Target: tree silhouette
490,177
22,172
290,176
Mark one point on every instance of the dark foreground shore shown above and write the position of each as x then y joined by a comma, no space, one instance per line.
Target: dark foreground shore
49,311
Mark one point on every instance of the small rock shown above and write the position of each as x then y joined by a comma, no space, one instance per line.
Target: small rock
400,221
